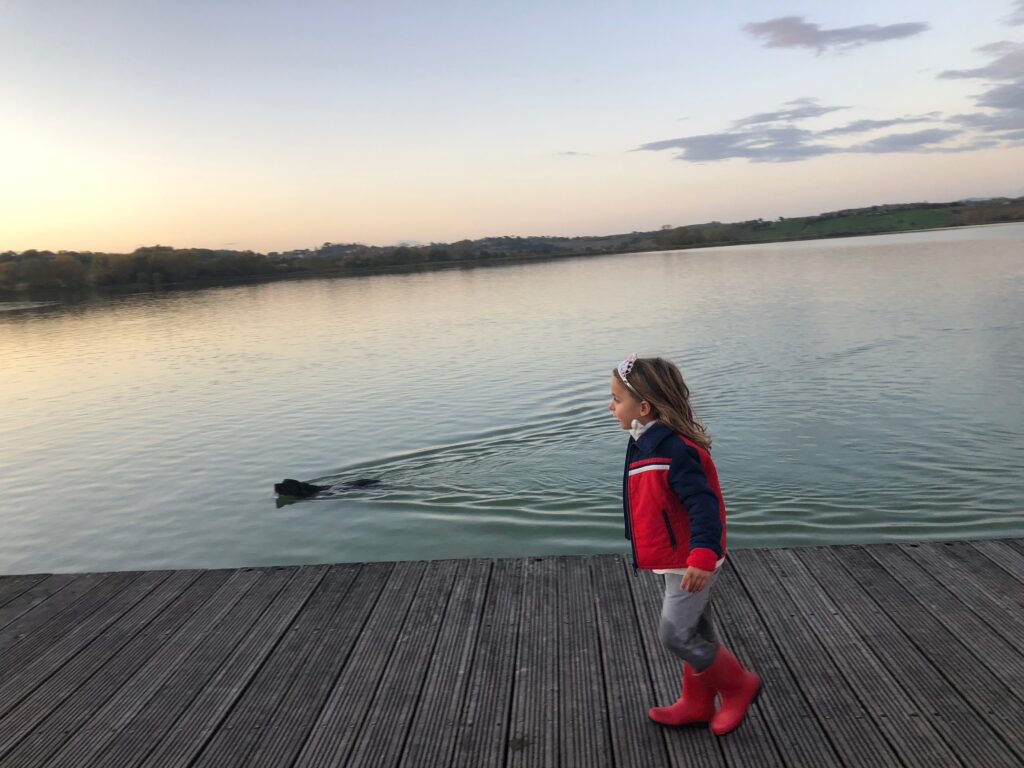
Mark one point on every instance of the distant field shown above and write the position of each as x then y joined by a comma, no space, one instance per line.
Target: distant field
913,218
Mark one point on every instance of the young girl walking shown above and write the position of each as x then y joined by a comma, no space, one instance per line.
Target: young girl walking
675,520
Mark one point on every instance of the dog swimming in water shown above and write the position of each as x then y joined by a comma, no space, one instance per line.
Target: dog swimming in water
297,489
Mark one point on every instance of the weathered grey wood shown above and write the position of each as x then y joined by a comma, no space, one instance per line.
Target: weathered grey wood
636,740
431,737
233,741
978,584
40,666
873,655
894,713
313,682
79,667
119,709
386,728
13,586
206,711
342,716
689,746
48,736
533,732
44,624
149,717
935,595
971,678
939,701
841,713
38,593
585,734
482,738
1008,559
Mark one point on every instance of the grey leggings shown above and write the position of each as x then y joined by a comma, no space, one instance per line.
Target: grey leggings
686,627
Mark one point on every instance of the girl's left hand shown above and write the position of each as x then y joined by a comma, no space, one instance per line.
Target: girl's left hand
694,580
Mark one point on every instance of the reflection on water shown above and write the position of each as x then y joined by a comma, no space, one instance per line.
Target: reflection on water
857,390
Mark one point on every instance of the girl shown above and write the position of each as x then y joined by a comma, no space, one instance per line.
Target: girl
675,519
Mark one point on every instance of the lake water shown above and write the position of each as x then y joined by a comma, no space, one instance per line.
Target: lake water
857,390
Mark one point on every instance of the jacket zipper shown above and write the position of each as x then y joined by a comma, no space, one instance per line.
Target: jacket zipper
625,505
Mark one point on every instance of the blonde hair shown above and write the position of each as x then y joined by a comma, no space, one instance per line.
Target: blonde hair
659,382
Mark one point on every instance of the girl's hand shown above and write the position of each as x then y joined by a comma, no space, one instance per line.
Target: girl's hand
694,580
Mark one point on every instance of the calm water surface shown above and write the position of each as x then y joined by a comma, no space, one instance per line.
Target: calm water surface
857,390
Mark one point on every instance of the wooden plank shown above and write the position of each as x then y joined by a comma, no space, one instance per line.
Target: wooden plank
991,650
18,606
431,737
895,714
382,739
482,737
973,681
12,587
838,708
585,735
131,725
50,735
636,741
938,700
86,660
38,628
534,725
685,746
32,673
341,718
978,585
1007,558
238,734
782,709
205,713
284,737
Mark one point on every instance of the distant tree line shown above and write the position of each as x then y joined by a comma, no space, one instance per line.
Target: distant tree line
160,266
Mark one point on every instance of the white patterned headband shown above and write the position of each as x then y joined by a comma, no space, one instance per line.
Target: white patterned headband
624,369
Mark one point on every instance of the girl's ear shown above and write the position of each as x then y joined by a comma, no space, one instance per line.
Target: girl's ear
645,408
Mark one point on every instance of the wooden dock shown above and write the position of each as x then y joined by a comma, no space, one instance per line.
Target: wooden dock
882,655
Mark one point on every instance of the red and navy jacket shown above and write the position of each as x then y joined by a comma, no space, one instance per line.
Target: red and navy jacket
672,503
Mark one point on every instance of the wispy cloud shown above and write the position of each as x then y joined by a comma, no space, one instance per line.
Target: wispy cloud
576,154
770,145
863,126
917,141
798,109
1004,96
1007,65
794,32
1017,17
775,137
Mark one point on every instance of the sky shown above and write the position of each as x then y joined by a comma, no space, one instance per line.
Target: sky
272,125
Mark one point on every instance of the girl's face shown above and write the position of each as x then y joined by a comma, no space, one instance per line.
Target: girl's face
625,407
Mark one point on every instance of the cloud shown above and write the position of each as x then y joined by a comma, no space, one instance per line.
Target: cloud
799,109
794,32
575,154
1017,17
1004,96
775,137
908,142
770,145
863,126
1008,64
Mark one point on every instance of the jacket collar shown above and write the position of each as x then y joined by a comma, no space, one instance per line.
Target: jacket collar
653,435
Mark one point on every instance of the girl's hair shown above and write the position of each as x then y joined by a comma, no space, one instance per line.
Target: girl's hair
660,383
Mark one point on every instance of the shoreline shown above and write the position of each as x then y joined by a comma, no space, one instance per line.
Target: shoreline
472,263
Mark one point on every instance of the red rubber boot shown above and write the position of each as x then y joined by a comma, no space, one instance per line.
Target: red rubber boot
696,703
737,686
